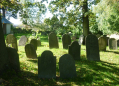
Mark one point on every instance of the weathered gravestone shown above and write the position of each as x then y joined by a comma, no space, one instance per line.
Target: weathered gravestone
47,65
107,38
13,58
53,40
11,40
34,43
38,43
74,38
118,43
80,39
23,40
67,66
66,41
102,43
30,51
112,43
92,48
74,50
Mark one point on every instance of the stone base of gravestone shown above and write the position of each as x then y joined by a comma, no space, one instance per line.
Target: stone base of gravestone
47,65
74,50
13,59
67,66
30,51
112,43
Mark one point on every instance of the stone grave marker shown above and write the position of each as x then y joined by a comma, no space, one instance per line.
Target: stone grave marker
92,48
107,38
67,66
112,43
34,43
102,43
66,41
23,40
47,65
81,39
38,43
118,43
53,41
74,50
74,38
11,41
13,58
30,51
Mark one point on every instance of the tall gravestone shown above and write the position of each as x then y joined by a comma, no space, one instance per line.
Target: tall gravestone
34,43
74,50
66,41
112,43
102,43
13,58
92,48
47,65
30,51
11,41
81,39
23,40
53,40
67,66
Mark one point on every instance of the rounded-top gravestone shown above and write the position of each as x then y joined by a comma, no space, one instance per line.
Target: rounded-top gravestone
92,48
30,51
47,65
74,50
112,43
53,40
23,40
34,43
11,40
66,41
81,39
67,66
102,43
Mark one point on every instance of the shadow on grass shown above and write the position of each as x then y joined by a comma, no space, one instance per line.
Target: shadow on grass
113,52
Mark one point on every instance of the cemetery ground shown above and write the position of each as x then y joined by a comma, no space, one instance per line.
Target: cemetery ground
89,73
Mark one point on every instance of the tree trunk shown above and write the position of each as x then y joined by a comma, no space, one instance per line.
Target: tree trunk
85,20
3,51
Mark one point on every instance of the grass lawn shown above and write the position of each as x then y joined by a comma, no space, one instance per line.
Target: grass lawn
89,73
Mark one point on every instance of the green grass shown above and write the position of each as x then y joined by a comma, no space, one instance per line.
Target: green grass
89,73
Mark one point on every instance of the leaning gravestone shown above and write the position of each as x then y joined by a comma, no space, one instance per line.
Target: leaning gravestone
66,41
53,41
80,39
30,51
102,43
112,43
13,58
67,66
34,43
92,48
74,50
11,40
47,65
23,40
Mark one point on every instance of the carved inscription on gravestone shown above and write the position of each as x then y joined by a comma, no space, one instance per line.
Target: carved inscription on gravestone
92,48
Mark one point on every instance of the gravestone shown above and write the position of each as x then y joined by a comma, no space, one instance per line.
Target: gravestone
102,43
98,35
38,43
92,48
80,39
74,38
118,43
74,50
30,51
66,41
53,41
107,38
13,58
112,43
47,65
23,40
67,67
34,43
11,41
